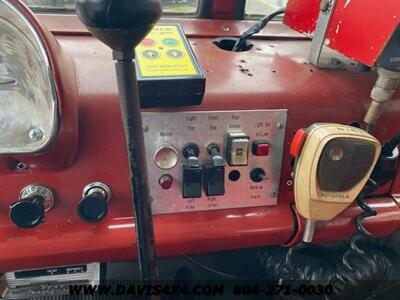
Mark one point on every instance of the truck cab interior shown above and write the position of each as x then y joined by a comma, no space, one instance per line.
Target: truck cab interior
196,149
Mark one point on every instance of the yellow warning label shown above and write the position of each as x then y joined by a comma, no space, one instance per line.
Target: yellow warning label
164,53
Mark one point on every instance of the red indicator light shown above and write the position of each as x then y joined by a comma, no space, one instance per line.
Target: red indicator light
166,181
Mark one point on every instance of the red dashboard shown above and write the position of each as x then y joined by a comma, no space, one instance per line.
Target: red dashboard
275,74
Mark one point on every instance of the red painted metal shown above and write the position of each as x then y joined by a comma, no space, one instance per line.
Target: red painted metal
359,29
396,187
280,78
224,9
70,25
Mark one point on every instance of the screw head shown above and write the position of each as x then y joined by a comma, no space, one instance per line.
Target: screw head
22,166
36,135
274,193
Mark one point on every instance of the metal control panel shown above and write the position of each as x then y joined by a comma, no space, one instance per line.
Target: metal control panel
214,159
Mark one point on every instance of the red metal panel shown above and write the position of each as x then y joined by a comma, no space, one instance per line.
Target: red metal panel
359,29
70,25
224,9
302,15
280,78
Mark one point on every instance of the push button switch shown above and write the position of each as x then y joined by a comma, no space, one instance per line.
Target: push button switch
261,148
237,150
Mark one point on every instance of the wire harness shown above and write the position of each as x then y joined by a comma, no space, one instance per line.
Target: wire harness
256,28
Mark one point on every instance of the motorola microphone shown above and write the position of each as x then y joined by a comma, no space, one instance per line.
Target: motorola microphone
333,163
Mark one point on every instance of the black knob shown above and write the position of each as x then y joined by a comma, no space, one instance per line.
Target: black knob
120,24
28,212
258,175
93,208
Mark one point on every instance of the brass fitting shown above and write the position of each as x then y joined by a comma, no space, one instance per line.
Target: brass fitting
383,91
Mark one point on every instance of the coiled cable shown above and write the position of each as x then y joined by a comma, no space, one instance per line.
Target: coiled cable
355,251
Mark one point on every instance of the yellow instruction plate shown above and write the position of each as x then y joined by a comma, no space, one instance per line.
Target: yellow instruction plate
165,52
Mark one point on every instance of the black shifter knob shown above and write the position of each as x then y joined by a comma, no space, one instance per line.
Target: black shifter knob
28,212
120,24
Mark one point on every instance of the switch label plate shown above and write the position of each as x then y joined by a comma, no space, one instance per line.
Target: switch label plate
203,128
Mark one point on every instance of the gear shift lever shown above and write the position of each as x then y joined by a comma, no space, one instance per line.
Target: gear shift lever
122,25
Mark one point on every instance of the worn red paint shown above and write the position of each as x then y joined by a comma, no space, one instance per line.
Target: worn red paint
358,29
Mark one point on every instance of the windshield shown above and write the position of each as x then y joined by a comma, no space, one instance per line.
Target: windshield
263,7
169,6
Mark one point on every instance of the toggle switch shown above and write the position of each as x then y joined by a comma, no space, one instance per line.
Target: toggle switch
191,172
214,172
237,149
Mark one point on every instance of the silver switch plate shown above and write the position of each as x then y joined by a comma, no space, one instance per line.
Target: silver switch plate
205,127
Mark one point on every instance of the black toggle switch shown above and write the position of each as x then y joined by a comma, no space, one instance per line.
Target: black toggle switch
214,172
28,213
94,206
192,173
